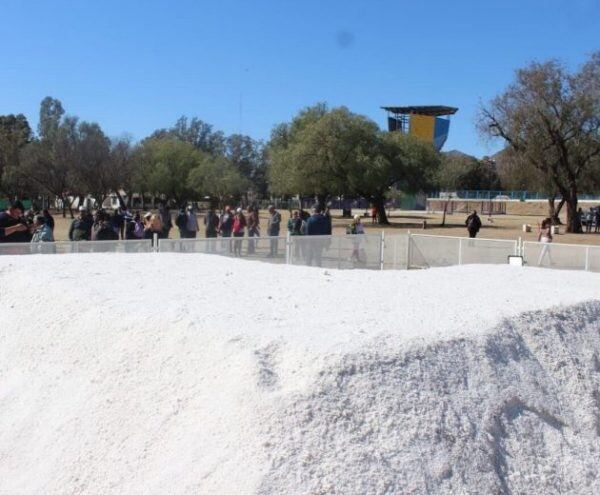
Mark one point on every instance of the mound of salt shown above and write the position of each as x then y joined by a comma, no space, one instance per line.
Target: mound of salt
194,374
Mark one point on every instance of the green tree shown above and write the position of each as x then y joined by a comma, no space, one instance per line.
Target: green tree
325,152
217,177
15,134
551,120
162,167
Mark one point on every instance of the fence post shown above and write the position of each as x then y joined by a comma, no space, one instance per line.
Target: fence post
288,248
460,251
587,258
408,249
339,255
381,249
395,252
155,242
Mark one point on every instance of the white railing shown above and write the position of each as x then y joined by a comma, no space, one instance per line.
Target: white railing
271,249
425,251
366,251
68,247
562,256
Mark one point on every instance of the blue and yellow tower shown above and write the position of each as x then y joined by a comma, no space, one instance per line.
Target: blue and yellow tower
430,123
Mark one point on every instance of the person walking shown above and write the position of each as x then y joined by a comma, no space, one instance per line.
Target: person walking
473,223
273,225
12,226
253,222
239,224
545,237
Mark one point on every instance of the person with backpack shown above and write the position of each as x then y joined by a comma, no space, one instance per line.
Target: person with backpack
473,223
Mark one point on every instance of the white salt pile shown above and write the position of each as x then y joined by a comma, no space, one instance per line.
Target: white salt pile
184,374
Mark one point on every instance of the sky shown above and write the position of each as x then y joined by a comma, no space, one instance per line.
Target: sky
135,66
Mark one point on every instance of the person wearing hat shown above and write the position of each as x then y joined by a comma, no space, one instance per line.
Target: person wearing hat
12,226
81,227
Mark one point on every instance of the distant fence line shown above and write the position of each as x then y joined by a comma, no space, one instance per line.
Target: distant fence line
366,251
504,195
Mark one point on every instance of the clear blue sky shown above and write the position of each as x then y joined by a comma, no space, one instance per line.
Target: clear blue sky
134,66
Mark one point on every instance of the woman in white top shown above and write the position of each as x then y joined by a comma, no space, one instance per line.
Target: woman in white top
545,237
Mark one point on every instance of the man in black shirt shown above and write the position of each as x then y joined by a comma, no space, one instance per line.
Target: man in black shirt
12,226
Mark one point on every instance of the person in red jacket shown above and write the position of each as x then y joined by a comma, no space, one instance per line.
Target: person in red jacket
239,224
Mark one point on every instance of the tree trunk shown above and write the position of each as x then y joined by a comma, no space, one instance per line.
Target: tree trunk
444,216
554,211
573,220
379,203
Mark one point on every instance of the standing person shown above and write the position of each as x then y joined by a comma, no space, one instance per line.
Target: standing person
49,219
134,230
191,224
226,222
81,227
105,229
253,223
43,232
153,226
117,221
374,214
294,227
597,215
211,224
356,228
12,226
273,226
165,218
294,224
473,223
181,222
545,237
239,224
317,225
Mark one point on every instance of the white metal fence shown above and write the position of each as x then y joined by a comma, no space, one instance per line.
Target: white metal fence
68,247
367,251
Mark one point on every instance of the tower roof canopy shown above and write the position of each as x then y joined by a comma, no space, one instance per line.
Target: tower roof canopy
435,110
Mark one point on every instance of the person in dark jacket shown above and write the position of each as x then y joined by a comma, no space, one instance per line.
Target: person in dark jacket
473,223
317,225
211,224
165,218
181,223
273,226
12,226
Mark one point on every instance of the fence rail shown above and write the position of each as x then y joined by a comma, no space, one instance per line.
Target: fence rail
367,251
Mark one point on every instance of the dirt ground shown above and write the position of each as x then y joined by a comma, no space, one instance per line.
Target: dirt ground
496,227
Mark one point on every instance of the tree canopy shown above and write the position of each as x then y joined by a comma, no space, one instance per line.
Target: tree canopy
550,118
